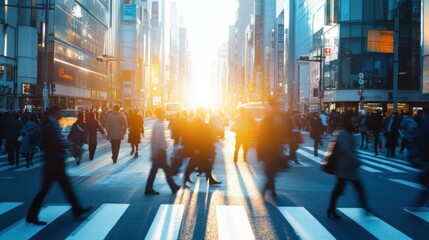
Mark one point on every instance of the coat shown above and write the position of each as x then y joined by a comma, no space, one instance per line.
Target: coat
347,162
92,126
136,128
78,136
13,130
116,126
32,134
270,139
54,145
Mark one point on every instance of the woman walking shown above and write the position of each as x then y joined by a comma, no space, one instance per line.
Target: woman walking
347,165
78,136
92,126
31,133
136,130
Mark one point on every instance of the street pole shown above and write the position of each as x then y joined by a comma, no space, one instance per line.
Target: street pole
321,80
395,58
45,92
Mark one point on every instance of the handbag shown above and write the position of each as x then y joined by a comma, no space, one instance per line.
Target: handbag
329,162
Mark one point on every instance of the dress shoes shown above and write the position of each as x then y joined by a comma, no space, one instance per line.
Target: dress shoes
214,182
36,221
81,211
151,192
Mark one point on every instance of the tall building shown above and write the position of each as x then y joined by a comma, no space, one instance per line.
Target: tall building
425,47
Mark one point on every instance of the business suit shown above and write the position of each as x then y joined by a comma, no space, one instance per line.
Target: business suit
54,145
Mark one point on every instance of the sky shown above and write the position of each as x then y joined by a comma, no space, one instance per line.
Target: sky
208,23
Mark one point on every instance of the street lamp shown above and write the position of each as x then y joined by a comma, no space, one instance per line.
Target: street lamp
395,58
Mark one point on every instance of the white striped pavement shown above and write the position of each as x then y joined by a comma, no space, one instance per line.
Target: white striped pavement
23,230
422,213
7,206
407,183
305,225
99,224
377,227
309,156
166,224
233,223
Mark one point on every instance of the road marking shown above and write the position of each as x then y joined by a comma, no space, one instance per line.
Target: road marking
374,225
23,230
385,158
392,163
166,224
7,206
422,212
99,224
370,169
305,225
25,169
383,166
233,223
407,183
6,168
309,156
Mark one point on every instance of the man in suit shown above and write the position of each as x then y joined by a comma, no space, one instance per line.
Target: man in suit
54,145
116,126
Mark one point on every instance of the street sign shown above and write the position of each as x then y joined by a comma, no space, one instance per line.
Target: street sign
361,81
360,92
45,92
361,75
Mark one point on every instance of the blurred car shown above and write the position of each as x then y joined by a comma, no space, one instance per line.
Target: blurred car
69,117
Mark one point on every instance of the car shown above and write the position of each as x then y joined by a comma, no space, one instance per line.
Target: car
69,116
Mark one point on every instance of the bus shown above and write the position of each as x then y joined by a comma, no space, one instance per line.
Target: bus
171,108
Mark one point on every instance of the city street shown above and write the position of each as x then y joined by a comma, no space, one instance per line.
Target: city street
235,209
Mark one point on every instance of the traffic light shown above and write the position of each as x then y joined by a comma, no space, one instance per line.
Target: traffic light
304,58
53,88
315,92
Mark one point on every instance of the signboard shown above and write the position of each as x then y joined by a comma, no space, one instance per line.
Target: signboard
380,41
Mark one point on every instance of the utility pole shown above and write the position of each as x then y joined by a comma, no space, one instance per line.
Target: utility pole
396,58
45,92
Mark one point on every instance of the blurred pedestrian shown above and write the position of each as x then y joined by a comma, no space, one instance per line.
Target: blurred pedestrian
294,136
409,130
32,134
201,146
316,132
13,139
347,166
116,126
375,125
243,126
391,133
78,136
324,119
363,128
423,155
55,146
92,126
136,131
159,155
270,143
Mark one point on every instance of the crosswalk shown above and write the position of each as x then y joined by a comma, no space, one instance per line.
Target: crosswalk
233,222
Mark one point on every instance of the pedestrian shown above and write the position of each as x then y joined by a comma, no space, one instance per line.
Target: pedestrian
78,136
294,136
391,126
31,133
92,126
13,130
201,147
181,142
375,125
324,119
55,147
116,126
243,126
422,158
136,131
159,155
270,143
363,128
347,166
316,132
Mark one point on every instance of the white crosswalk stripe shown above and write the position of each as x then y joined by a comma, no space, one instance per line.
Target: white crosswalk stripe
422,213
233,223
305,225
166,224
99,224
7,206
373,224
408,183
23,230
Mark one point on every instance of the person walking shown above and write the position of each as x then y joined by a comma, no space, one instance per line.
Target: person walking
270,142
391,133
116,126
243,126
79,137
55,146
31,133
422,146
363,128
201,145
159,155
12,134
316,132
347,166
136,131
93,126
375,125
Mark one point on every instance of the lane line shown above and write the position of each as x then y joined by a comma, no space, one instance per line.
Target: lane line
309,156
166,224
7,206
392,163
407,183
305,225
422,213
99,224
233,223
386,158
23,230
372,224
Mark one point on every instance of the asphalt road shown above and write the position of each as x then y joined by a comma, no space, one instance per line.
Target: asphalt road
235,209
